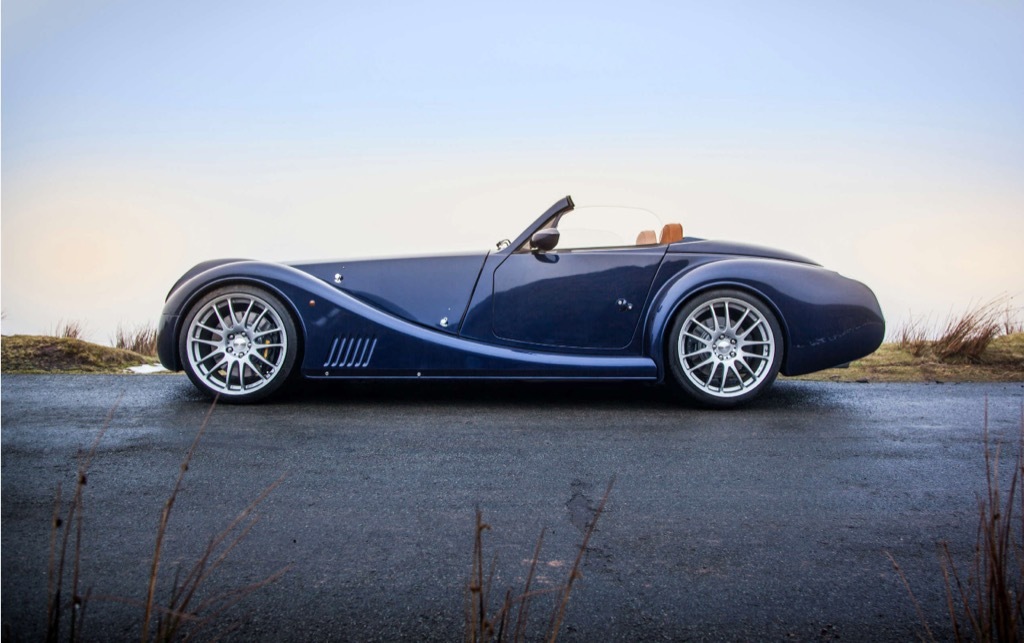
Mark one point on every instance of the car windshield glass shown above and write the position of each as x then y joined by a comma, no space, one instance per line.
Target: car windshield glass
607,226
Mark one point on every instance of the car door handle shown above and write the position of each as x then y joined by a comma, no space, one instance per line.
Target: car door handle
624,305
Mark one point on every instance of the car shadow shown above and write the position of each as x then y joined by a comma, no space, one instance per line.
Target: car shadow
783,395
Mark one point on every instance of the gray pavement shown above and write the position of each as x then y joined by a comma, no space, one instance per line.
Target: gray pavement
765,523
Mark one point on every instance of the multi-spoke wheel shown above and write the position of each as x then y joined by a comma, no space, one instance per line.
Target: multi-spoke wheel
239,342
725,347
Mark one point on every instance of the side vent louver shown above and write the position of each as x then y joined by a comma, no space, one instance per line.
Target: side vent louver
351,352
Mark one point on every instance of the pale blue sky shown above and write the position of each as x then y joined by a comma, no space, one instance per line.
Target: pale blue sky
885,139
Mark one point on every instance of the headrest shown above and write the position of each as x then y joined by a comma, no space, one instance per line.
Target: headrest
646,238
671,233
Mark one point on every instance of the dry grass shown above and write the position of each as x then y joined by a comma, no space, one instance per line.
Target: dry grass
965,336
912,336
183,617
61,530
137,339
989,594
70,329
1013,320
509,622
968,335
1002,361
983,344
188,614
38,354
985,598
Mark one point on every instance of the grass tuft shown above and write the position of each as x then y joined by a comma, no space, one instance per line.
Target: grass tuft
983,344
989,595
985,598
509,621
188,614
70,329
912,336
137,339
184,616
966,336
1002,361
1013,320
61,530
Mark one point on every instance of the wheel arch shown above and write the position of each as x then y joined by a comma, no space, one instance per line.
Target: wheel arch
676,293
204,289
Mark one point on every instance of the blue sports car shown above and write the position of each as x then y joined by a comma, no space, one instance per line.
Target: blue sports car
582,294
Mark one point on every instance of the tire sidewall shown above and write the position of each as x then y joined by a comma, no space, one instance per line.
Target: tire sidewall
682,383
285,373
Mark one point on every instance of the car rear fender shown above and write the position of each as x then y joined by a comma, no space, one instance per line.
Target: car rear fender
826,319
736,274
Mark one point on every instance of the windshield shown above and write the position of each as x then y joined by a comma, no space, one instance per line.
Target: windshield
608,227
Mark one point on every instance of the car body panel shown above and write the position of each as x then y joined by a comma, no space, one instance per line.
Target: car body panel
517,313
827,319
345,337
717,247
571,299
431,291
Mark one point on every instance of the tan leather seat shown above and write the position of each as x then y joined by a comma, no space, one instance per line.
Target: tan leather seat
671,233
646,238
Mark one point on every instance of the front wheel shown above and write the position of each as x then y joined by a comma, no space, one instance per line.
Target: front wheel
724,348
238,342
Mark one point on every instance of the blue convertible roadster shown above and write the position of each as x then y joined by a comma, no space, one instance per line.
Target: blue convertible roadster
582,294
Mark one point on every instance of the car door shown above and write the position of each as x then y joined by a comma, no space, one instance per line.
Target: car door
580,298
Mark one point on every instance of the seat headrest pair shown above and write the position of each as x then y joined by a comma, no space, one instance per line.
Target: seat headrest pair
671,233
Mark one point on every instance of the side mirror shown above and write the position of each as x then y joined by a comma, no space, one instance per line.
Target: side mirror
545,239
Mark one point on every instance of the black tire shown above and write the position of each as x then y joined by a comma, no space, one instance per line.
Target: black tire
724,348
238,342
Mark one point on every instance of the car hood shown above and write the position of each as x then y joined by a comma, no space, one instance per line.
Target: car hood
714,247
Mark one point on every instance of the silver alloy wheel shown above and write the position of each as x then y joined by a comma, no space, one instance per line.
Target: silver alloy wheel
237,344
726,347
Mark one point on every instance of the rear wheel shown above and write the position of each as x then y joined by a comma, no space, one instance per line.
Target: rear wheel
238,342
724,348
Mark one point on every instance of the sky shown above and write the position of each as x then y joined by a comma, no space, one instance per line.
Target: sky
884,140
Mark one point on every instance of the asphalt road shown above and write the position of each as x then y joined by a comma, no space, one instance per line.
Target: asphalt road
766,523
